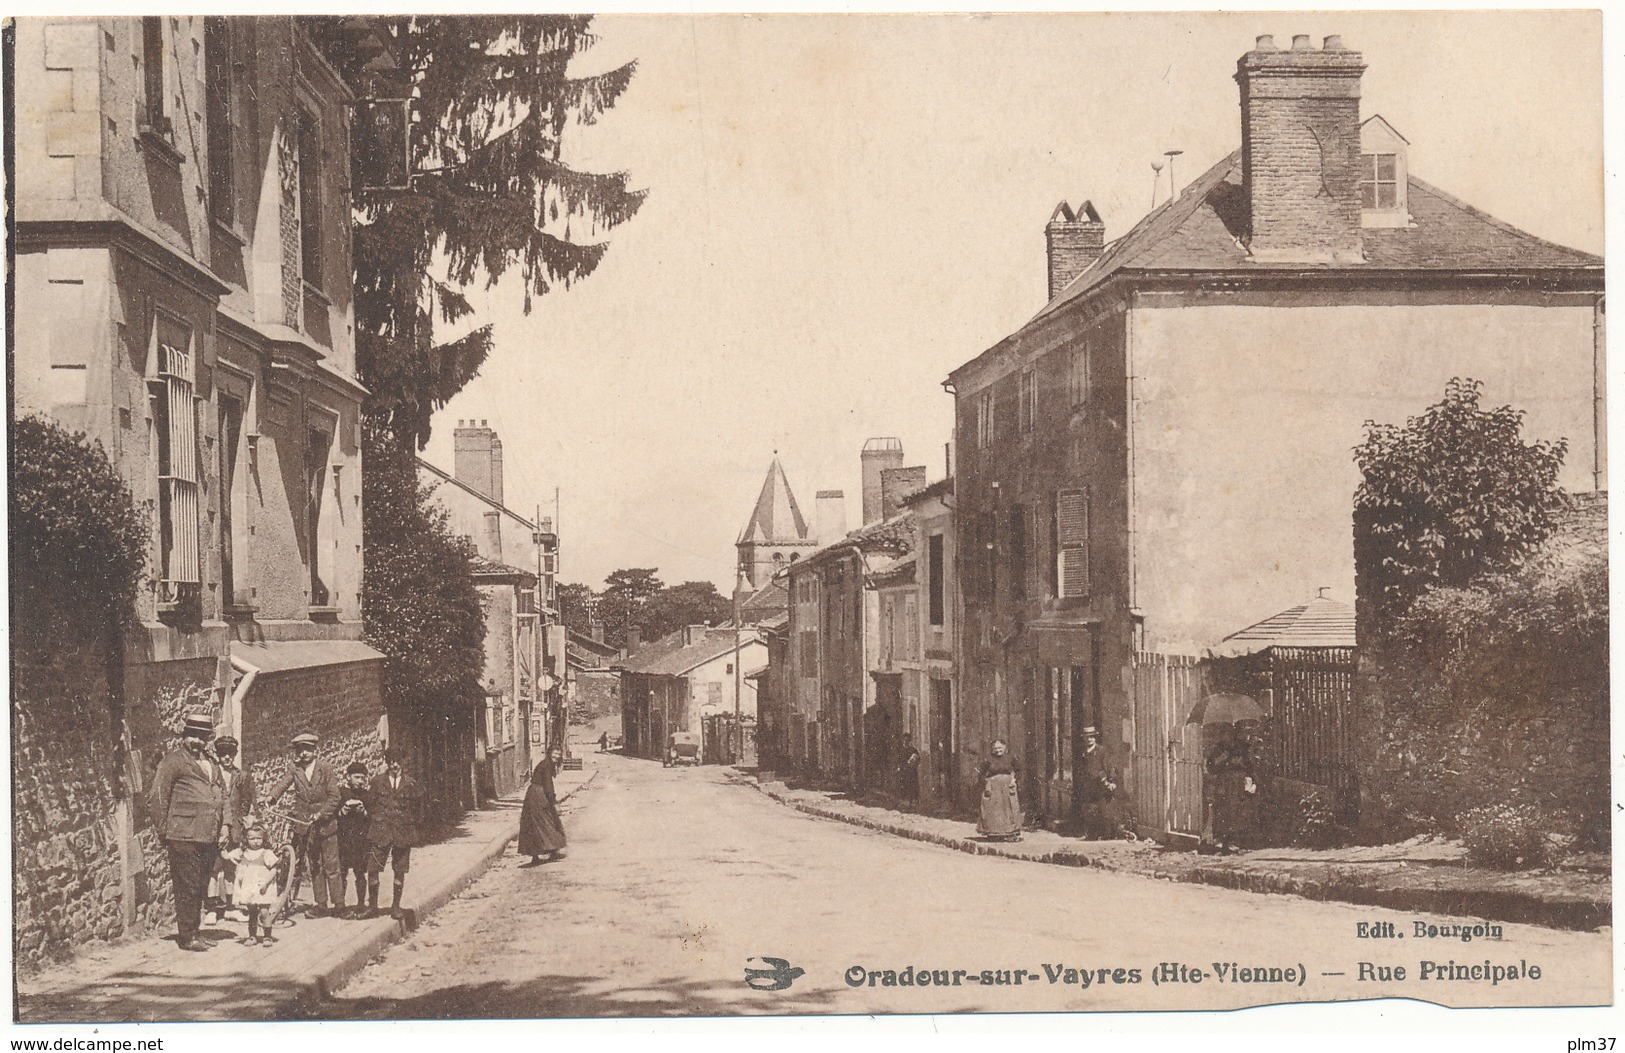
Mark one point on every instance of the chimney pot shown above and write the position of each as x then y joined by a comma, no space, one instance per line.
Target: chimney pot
1266,42
1333,43
1300,41
483,423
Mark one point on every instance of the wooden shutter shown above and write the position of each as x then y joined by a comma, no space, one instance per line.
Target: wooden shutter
1072,542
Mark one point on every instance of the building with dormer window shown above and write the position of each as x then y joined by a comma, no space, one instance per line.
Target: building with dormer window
1184,468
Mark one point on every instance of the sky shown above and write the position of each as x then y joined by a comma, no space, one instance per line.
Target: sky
843,208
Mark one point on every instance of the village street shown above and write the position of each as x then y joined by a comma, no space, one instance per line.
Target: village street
676,878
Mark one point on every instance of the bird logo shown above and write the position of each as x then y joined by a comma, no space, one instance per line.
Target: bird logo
778,978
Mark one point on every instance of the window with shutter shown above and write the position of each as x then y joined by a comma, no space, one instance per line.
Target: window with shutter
984,419
935,567
1072,543
174,405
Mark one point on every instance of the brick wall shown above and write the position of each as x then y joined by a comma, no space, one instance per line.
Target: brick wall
1300,135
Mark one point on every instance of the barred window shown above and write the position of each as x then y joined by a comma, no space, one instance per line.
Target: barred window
172,393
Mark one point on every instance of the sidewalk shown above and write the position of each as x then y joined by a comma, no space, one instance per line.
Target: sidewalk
150,979
1431,877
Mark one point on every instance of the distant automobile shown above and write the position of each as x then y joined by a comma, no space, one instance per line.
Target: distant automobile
683,747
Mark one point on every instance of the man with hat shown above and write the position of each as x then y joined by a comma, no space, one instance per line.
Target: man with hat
1095,788
315,787
187,802
239,816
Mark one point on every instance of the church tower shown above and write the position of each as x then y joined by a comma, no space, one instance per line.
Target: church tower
776,533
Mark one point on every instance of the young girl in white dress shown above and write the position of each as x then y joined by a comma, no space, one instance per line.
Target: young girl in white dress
255,888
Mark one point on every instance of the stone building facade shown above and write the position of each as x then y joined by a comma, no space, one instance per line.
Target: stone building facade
516,559
1162,455
183,290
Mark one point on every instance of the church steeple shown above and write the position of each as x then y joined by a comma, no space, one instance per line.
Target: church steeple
776,531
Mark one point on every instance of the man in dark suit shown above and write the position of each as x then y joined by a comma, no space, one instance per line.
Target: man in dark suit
1095,788
316,800
396,812
187,801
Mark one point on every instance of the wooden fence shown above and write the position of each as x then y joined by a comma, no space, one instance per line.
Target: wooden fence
1310,737
1166,759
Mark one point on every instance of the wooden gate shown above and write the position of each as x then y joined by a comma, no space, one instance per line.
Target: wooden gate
1310,737
1166,759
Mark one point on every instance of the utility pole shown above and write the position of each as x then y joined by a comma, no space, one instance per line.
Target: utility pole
739,725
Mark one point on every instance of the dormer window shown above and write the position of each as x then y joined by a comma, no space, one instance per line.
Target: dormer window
1379,183
1384,175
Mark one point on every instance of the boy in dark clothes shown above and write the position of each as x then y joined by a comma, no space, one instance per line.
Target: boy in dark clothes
355,814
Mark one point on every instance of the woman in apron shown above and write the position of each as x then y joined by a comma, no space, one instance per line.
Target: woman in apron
1001,811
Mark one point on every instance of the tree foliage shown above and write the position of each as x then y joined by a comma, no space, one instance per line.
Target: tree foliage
419,603
492,97
1454,493
691,603
577,605
78,546
624,601
637,597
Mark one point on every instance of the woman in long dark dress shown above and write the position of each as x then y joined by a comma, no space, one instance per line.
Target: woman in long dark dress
541,832
1001,811
1231,788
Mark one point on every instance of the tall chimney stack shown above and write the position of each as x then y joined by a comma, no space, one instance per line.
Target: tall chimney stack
829,517
1074,240
477,459
878,455
1300,151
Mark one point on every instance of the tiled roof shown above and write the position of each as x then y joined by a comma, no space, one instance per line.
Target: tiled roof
893,536
671,657
1321,622
490,568
940,488
770,597
1201,230
776,519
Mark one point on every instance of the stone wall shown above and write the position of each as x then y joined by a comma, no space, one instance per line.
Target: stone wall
65,790
340,704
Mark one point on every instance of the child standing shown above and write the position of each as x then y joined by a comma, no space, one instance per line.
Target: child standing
355,815
255,886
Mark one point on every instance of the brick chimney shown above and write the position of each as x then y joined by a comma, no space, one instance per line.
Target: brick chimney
1074,240
1300,150
878,455
477,460
897,483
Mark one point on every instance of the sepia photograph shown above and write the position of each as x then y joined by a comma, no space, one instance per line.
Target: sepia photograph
598,517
